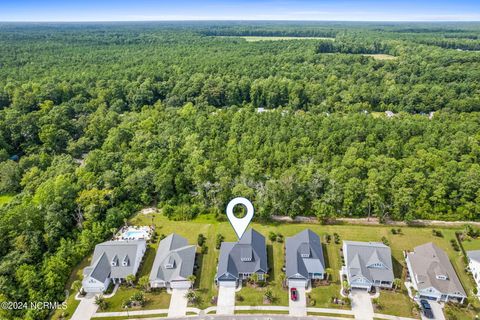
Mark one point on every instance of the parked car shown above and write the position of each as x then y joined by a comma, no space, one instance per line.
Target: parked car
294,294
427,309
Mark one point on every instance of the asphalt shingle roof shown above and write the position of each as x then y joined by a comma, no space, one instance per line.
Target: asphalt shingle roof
230,264
305,243
429,261
361,256
176,251
114,251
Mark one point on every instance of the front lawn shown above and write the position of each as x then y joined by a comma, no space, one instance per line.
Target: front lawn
396,304
153,300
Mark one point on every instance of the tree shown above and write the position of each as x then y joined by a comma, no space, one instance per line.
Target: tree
329,273
191,296
130,279
76,285
101,302
144,283
397,283
192,279
268,296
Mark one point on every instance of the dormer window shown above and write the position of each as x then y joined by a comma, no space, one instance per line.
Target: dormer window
114,261
377,265
442,277
305,250
246,254
126,261
170,264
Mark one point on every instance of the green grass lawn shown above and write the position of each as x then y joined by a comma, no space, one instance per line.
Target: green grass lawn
395,303
5,198
153,300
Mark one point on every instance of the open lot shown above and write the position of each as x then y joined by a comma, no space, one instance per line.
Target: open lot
394,303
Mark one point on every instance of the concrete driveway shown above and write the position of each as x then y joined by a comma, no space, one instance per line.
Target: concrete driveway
361,304
226,299
298,308
178,303
437,311
86,309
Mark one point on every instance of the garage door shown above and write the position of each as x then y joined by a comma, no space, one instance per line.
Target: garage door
227,284
180,284
297,283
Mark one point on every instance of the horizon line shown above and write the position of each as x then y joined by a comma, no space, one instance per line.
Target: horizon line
226,20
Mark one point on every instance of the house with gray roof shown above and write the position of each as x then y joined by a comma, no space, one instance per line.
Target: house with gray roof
367,265
474,267
304,259
239,260
432,274
173,263
113,261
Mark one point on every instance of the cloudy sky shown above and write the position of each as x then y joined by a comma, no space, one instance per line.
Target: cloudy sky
122,10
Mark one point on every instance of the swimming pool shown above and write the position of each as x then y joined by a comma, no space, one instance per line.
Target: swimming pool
135,234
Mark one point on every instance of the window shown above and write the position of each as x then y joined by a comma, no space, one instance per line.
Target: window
442,277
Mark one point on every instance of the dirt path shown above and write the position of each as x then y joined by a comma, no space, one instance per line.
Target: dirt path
375,221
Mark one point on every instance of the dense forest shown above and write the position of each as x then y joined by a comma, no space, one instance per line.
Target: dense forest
100,120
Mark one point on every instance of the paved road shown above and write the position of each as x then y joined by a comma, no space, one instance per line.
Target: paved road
298,308
362,305
178,303
257,317
86,309
226,300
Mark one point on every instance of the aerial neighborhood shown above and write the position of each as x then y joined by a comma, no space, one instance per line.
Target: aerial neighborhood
367,270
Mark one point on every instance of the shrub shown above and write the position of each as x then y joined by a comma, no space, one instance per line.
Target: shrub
437,233
336,238
272,236
219,240
201,239
279,238
385,241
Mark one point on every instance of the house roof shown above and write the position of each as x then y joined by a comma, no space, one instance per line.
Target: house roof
305,243
474,255
251,247
174,260
119,251
429,261
362,259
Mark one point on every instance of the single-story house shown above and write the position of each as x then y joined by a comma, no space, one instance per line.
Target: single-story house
432,274
304,259
367,265
173,263
113,261
239,260
474,267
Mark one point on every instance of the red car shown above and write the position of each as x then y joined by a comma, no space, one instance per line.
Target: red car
294,294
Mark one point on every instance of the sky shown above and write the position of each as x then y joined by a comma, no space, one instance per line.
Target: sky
146,10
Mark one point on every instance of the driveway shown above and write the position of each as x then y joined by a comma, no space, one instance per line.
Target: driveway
226,299
86,309
298,308
178,303
361,304
436,310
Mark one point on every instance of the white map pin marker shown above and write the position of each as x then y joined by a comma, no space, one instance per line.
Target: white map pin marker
240,224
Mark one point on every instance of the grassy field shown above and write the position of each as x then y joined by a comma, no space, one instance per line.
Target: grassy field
5,198
396,303
257,38
380,56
